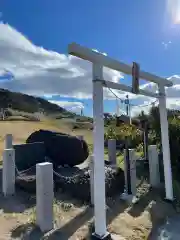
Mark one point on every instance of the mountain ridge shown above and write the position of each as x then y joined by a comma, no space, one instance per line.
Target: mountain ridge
30,104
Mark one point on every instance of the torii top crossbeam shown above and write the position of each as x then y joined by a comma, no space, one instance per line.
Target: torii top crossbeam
95,57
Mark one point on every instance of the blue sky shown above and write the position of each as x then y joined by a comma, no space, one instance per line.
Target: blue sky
141,31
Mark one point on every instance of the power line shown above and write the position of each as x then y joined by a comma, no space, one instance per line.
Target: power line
130,104
146,105
122,100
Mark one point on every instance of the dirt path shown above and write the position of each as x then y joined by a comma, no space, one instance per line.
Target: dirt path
74,220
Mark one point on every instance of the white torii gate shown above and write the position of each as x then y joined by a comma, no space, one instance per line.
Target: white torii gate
99,60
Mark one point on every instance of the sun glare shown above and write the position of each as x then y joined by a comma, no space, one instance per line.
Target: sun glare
173,7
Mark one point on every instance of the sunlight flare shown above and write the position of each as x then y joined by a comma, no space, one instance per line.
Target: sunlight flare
173,7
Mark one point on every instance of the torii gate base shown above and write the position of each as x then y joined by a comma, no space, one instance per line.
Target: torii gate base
99,61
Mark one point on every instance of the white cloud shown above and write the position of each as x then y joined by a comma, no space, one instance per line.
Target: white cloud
42,72
172,93
171,103
145,107
38,71
72,106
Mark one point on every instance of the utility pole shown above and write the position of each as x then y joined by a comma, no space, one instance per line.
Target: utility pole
127,105
117,108
81,112
127,151
128,108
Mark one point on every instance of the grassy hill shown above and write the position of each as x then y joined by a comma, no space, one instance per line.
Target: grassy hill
24,103
27,103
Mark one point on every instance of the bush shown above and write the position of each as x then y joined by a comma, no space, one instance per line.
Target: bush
154,137
110,133
174,139
120,133
174,134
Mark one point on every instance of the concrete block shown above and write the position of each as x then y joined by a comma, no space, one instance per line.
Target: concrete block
8,141
8,176
112,151
44,196
154,173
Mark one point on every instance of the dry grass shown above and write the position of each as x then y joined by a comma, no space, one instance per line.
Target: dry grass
22,129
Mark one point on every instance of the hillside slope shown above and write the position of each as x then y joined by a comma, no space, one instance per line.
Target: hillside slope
29,104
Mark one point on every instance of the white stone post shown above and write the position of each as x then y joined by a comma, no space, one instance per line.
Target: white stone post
165,144
8,141
130,183
8,174
112,152
154,173
3,115
44,196
98,141
91,168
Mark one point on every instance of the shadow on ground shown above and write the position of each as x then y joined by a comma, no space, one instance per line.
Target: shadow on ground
66,231
169,229
159,216
27,232
24,119
139,207
32,232
17,203
159,210
150,201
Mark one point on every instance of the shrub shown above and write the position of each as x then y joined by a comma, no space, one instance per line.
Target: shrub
154,137
174,133
120,133
174,139
110,133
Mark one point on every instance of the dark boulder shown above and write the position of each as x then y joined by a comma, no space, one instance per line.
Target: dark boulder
61,149
24,158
